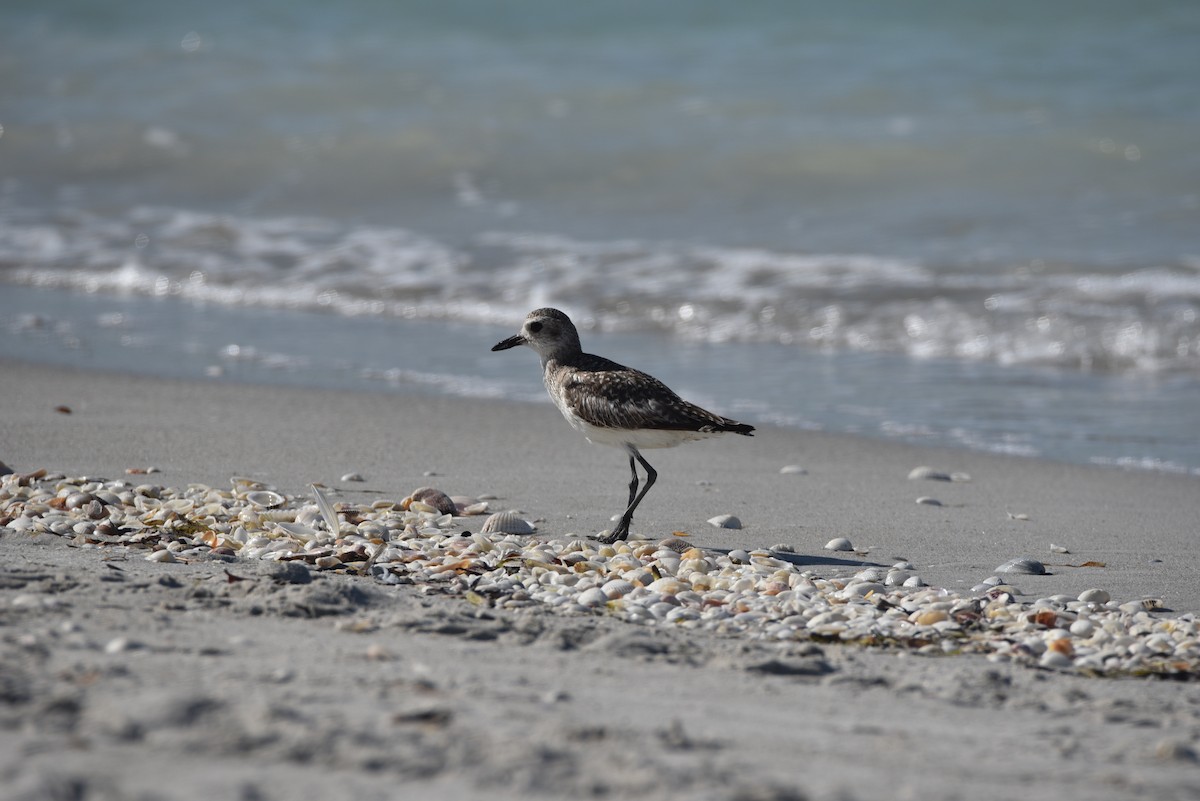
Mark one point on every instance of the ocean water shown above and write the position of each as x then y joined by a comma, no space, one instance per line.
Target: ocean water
940,222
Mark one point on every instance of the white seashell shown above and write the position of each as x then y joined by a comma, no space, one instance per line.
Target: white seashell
592,598
327,511
925,500
617,588
298,531
783,547
927,474
1060,549
871,574
739,556
1024,565
914,581
353,477
506,523
265,499
161,556
1095,596
725,521
1056,659
1082,628
839,544
793,470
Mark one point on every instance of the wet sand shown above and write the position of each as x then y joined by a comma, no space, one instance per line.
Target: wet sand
125,678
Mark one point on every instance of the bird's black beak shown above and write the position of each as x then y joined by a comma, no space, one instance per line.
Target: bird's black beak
511,342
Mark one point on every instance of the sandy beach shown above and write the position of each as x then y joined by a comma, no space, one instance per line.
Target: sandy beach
214,677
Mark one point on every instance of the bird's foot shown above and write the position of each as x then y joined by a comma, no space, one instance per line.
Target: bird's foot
609,537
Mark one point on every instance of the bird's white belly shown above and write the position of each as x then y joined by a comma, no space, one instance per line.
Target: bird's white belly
638,438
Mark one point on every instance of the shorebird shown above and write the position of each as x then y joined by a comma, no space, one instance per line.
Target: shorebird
612,404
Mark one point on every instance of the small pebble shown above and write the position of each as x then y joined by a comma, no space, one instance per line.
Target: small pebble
119,645
725,521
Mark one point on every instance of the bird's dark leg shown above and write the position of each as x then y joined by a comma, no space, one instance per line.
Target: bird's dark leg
622,530
633,484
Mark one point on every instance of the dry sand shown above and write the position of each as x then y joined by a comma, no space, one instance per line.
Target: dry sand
122,679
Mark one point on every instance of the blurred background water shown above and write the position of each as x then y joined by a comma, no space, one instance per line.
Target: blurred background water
941,222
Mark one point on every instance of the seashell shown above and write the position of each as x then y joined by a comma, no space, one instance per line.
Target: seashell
1056,659
925,500
327,511
1095,596
927,474
429,496
1059,549
78,499
506,523
929,617
265,499
783,547
725,521
1082,628
913,581
161,556
352,477
617,588
740,557
242,485
592,598
1024,565
839,544
793,470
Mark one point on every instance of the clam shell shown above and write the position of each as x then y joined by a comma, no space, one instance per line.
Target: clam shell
725,521
839,544
435,498
265,499
506,523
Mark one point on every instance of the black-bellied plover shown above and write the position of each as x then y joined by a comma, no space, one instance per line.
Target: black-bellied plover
612,404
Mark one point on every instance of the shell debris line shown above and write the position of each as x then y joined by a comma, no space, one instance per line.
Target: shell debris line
755,593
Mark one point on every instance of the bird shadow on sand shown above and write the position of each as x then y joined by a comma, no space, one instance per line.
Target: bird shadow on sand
811,560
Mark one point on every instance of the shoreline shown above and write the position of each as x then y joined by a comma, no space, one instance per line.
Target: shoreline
184,681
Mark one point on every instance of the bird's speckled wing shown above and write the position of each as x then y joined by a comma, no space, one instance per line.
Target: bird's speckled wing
609,395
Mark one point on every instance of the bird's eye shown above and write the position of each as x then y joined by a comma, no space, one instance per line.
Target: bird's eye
535,327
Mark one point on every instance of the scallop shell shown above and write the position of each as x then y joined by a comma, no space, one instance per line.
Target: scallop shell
506,523
928,474
1023,564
